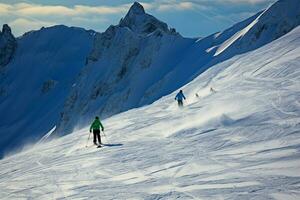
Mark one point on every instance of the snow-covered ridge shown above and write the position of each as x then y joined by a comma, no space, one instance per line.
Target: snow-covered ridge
272,23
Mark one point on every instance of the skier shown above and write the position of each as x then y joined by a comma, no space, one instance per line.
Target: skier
179,97
96,130
212,90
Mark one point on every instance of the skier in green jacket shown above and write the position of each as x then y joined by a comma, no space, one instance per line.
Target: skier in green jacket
96,130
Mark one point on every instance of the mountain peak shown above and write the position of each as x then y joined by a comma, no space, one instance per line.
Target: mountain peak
6,29
140,22
8,45
136,9
135,14
6,34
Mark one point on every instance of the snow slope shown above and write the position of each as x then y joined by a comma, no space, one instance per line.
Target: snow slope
240,142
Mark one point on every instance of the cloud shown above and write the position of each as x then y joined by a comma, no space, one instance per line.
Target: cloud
29,9
79,9
5,8
231,2
173,6
20,24
246,1
41,10
234,17
177,6
24,17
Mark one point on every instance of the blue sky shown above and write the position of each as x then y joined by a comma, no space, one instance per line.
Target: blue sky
191,18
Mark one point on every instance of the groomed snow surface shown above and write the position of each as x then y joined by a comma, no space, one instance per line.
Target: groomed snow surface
240,142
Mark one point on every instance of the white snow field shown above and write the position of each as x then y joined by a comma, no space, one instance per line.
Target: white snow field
240,142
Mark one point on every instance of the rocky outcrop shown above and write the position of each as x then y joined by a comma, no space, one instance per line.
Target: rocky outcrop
8,45
137,23
140,22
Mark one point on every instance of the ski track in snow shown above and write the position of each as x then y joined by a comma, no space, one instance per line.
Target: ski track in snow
241,142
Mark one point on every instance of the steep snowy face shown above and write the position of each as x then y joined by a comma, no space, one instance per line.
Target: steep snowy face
124,63
8,45
126,60
140,22
35,84
274,22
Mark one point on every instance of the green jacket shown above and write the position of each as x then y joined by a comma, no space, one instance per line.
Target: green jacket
96,125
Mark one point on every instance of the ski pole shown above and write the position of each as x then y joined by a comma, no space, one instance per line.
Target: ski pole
88,140
105,137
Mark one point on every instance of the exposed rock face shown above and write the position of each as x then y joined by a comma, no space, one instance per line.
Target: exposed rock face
8,45
48,85
140,22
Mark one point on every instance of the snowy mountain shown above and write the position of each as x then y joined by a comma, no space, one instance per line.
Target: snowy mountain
114,80
155,60
240,142
62,77
36,82
272,23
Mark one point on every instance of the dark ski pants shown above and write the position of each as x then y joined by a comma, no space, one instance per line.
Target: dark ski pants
180,103
97,135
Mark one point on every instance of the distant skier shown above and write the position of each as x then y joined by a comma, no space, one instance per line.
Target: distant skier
212,90
96,130
179,97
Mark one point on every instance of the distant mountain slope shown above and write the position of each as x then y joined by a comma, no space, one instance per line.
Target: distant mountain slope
275,21
38,80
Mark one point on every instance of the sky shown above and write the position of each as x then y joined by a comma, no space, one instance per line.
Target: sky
191,18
